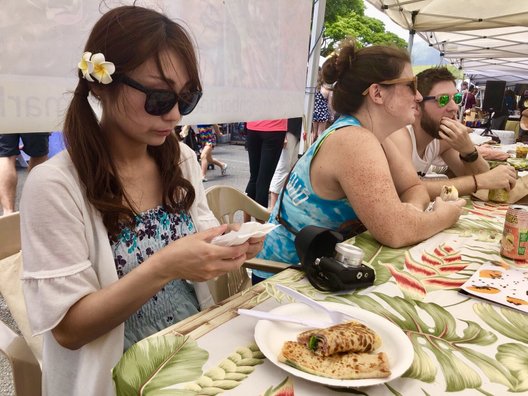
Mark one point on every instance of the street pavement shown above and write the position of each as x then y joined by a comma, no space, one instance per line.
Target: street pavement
237,175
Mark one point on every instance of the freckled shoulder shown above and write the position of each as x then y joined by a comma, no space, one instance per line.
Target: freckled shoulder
350,139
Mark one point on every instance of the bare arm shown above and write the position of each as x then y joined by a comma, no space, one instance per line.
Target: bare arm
217,131
502,176
351,162
192,258
408,185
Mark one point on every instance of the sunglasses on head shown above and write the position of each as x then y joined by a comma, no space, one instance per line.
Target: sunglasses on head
161,101
443,99
411,82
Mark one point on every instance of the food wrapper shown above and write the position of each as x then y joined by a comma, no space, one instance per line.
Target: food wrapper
247,230
514,242
449,193
498,195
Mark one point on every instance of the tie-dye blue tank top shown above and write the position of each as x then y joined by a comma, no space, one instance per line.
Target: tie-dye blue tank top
301,206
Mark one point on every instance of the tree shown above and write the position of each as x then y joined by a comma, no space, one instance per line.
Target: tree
336,8
346,18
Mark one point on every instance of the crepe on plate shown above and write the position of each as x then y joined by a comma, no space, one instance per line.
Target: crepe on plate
344,337
347,365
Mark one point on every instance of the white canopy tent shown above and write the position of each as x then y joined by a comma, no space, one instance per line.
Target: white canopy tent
487,39
253,57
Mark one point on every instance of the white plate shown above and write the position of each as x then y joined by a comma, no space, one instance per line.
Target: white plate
270,337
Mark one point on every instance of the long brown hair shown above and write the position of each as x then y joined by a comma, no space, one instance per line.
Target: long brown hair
354,70
128,36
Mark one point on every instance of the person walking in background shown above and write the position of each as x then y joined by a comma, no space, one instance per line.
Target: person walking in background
321,113
523,127
510,101
207,136
287,159
36,145
523,101
468,100
264,143
116,229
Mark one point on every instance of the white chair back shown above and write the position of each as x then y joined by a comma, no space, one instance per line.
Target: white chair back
22,351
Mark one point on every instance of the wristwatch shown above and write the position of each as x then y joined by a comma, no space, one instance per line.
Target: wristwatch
471,157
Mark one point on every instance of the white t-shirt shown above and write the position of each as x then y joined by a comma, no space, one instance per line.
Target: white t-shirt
431,155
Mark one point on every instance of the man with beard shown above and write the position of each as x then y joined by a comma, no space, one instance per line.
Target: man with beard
437,138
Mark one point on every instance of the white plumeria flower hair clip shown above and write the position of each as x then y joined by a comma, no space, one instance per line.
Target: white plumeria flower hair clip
95,66
86,66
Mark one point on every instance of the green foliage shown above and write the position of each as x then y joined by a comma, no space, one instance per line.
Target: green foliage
336,8
157,362
346,19
285,388
443,341
377,255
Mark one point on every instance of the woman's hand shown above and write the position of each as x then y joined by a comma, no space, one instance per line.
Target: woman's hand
195,258
255,246
449,209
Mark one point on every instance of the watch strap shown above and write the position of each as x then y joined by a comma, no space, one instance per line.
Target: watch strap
471,157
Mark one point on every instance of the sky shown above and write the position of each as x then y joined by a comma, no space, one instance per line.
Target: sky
422,54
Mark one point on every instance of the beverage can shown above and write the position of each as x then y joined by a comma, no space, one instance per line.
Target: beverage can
521,151
514,242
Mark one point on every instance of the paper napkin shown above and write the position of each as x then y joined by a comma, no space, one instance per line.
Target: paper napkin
246,231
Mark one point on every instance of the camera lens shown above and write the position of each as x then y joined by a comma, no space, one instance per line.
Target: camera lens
348,254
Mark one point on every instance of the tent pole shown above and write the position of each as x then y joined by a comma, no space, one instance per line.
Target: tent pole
313,68
461,67
412,32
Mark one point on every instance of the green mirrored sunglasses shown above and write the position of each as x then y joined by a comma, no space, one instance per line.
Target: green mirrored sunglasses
443,99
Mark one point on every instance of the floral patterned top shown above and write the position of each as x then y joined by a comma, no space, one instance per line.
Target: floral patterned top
153,230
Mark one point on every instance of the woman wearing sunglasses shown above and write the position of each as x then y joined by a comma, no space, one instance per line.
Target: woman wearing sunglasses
344,181
116,226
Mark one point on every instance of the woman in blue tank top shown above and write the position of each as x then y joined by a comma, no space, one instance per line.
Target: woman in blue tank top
344,181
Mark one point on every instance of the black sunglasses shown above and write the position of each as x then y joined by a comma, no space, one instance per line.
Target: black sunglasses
161,101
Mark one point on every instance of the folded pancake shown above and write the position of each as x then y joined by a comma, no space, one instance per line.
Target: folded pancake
340,366
344,337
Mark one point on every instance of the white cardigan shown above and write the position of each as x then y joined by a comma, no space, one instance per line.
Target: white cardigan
67,255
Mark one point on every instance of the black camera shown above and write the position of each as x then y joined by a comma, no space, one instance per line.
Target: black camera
329,264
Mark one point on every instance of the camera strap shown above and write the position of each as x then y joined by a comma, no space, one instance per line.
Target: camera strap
348,230
278,217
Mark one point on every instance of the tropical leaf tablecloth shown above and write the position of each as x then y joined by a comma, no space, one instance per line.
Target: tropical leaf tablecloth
462,345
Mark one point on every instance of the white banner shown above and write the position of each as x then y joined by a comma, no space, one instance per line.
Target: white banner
252,53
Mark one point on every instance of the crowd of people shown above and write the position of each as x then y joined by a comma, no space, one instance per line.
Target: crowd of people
116,229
